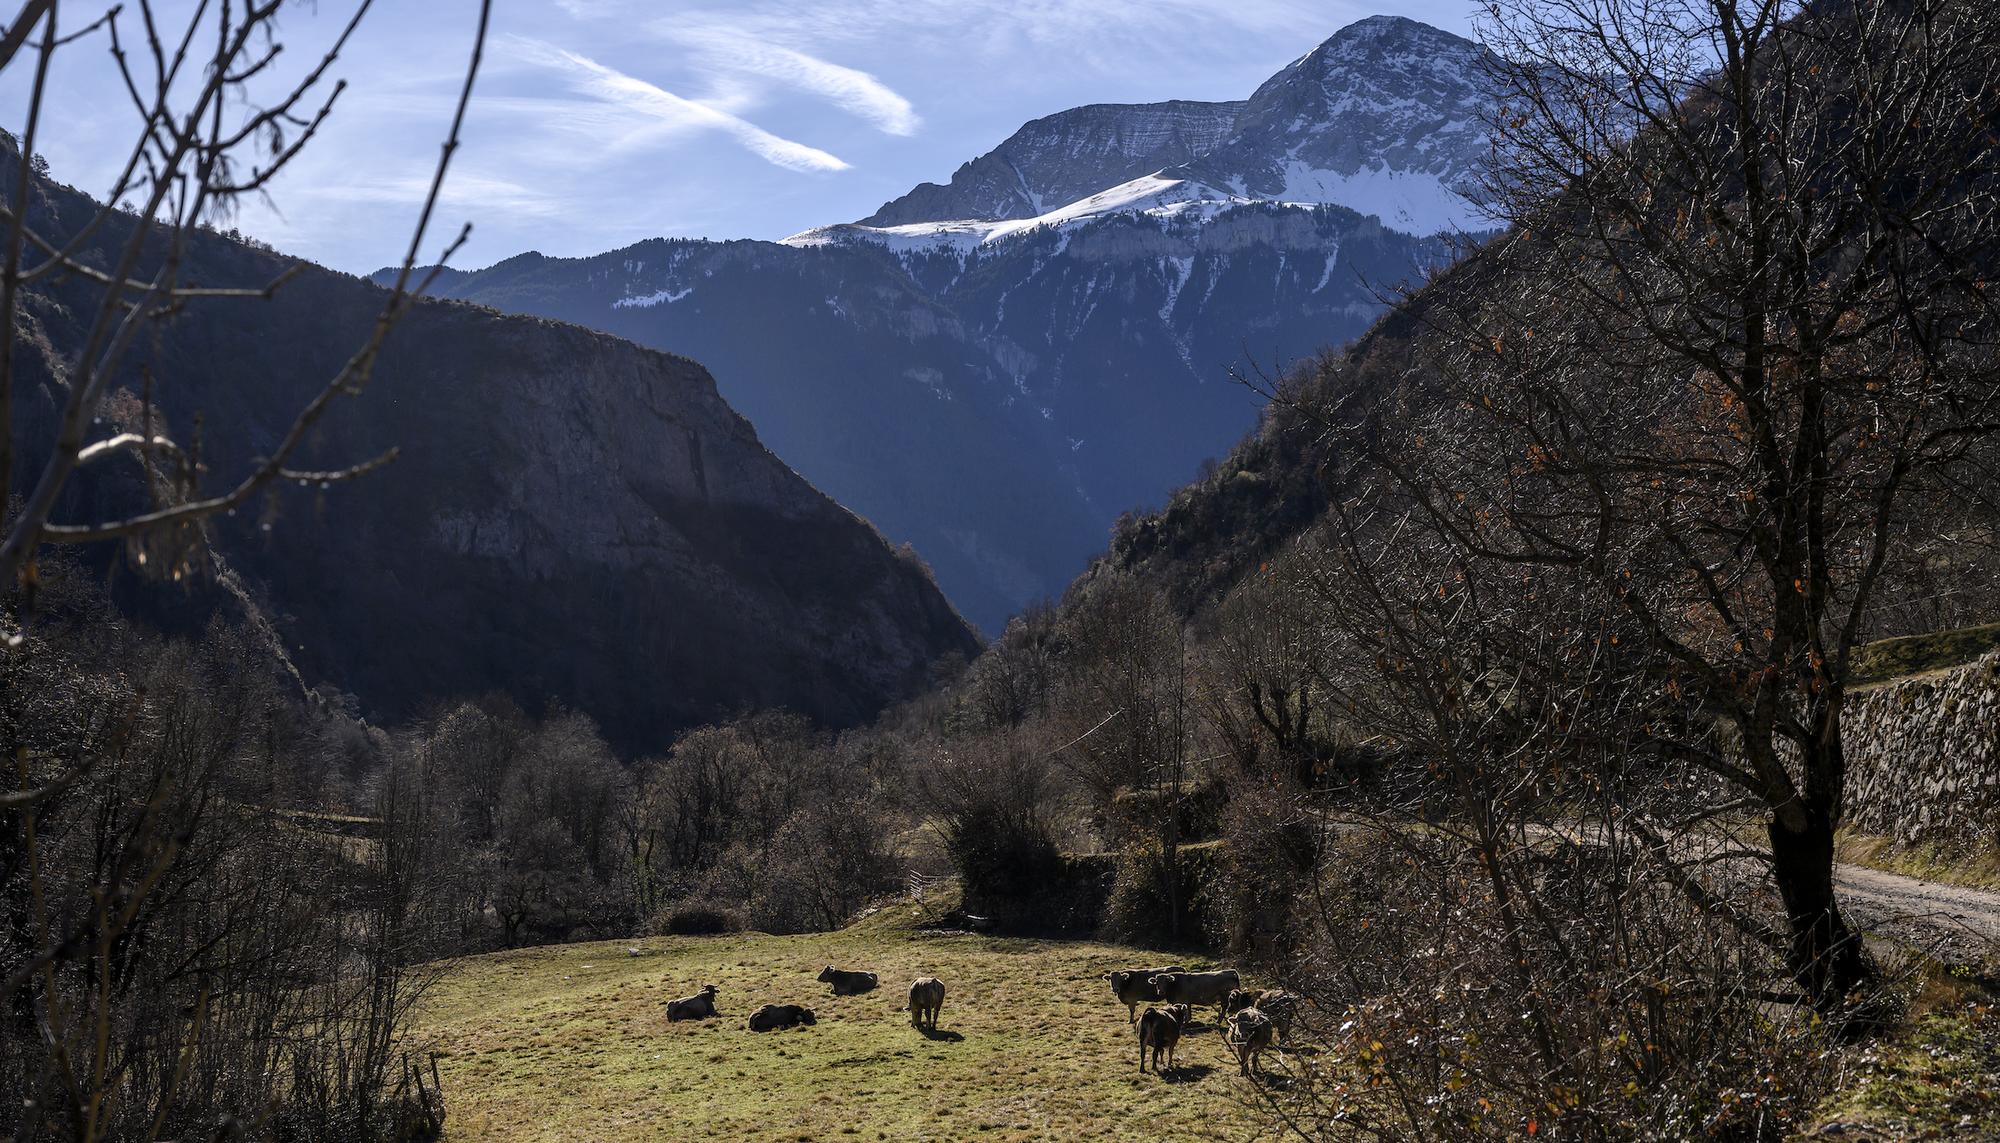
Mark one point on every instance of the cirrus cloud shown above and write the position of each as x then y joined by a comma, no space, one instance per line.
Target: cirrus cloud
669,111
852,90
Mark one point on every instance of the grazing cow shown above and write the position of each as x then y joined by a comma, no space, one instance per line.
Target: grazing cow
1250,1033
1160,1030
772,1017
1134,986
847,983
926,999
1276,1003
700,1006
1198,988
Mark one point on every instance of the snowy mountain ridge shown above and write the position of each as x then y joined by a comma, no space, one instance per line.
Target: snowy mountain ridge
1064,157
1385,118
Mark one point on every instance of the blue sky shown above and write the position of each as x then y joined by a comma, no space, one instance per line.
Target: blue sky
598,123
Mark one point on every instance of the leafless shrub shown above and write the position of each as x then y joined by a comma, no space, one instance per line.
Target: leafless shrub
994,803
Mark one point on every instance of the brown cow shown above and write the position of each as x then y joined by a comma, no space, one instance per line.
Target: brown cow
1250,1033
1198,988
847,983
772,1017
1134,986
1279,1005
700,1006
1160,1030
926,1000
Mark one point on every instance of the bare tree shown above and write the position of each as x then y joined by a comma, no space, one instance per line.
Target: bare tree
1739,338
211,131
172,960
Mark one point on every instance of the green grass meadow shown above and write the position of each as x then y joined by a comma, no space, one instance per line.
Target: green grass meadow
572,1043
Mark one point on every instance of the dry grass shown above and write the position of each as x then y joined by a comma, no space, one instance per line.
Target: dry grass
571,1042
1934,1076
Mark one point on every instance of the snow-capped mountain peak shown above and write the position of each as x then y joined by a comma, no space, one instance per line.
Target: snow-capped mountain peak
1064,157
1387,117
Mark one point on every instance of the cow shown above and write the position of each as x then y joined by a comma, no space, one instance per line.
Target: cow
700,1006
1198,988
926,999
847,983
772,1017
1250,1032
1160,1030
1279,1005
1134,986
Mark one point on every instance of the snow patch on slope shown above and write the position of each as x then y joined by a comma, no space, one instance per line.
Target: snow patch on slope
1414,202
647,301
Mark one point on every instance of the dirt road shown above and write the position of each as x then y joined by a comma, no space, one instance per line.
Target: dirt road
1963,923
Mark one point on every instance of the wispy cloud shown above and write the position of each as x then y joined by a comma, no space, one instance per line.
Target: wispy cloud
588,77
1111,34
850,89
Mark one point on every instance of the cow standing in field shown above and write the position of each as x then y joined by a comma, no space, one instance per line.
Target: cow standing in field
847,983
700,1006
1134,986
1160,1031
1279,1005
772,1017
1250,1033
1198,988
926,1001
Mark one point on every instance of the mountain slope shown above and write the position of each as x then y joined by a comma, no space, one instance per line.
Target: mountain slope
573,518
1064,157
1387,118
998,378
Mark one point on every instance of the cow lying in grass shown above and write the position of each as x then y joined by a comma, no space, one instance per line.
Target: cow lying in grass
1134,986
1160,1031
926,1000
847,983
700,1006
772,1017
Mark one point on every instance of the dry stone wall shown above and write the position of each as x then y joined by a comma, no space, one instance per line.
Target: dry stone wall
1924,758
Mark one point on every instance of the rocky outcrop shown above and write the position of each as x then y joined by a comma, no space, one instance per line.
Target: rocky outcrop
1923,757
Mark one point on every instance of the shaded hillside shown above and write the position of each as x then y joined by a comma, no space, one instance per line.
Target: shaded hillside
572,518
993,371
1279,479
995,408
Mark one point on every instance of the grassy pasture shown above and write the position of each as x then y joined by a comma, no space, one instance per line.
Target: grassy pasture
1887,660
572,1043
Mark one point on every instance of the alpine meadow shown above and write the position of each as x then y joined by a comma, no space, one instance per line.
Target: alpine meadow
1443,591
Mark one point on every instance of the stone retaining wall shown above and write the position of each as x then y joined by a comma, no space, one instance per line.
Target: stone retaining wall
1924,758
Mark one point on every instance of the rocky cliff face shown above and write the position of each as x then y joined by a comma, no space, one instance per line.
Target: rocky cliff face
1064,157
573,517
